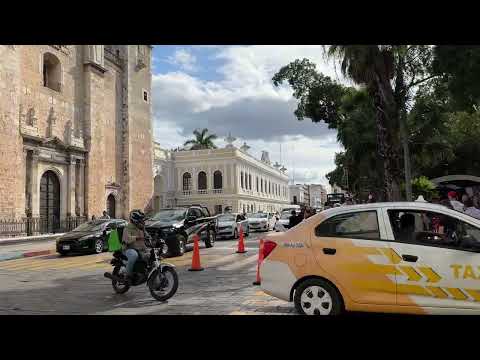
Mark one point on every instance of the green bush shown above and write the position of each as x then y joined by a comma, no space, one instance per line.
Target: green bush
423,186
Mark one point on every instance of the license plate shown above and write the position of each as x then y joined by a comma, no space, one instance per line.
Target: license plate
66,247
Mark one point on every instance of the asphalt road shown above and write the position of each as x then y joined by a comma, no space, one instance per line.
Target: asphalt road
75,285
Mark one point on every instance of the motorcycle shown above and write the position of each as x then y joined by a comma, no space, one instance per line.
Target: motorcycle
161,278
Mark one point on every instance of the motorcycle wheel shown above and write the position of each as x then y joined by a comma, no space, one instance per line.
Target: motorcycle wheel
117,287
168,289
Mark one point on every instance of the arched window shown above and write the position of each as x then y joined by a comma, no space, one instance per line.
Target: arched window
52,72
241,179
257,188
187,182
217,180
269,188
250,181
202,180
261,185
245,180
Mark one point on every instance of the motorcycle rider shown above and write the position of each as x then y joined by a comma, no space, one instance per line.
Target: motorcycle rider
133,239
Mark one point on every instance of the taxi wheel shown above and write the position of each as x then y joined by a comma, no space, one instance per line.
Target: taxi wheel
317,297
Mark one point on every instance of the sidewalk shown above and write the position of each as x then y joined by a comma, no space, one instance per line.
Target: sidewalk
16,248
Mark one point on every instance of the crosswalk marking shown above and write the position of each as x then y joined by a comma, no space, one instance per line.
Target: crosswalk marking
102,261
238,264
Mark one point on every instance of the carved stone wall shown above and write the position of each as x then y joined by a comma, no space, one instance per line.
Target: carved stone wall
99,109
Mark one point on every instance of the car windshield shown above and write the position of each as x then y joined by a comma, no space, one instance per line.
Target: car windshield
169,215
226,217
259,216
91,226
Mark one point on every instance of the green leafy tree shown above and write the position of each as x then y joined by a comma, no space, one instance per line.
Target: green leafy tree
389,73
202,140
459,68
423,186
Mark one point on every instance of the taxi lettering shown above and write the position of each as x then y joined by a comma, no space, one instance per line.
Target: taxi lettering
465,272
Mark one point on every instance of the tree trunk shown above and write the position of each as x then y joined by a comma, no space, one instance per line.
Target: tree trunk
401,99
406,156
387,110
387,153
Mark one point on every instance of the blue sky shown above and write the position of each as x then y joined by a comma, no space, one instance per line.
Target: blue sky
205,62
229,89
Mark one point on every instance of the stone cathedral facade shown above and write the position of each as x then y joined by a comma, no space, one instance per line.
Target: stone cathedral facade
75,130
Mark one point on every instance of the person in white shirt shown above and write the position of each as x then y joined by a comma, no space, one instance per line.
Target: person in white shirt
457,205
471,210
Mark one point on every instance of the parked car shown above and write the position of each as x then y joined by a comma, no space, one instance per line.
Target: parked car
261,221
228,225
177,226
284,222
90,237
401,257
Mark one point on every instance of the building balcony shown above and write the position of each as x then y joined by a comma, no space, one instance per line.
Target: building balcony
217,191
187,192
202,192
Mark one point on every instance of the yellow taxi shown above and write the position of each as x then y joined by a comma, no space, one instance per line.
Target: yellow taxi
398,257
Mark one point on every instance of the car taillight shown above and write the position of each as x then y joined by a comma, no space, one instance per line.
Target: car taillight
268,247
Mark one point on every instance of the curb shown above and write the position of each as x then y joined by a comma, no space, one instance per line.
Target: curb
19,255
37,253
29,239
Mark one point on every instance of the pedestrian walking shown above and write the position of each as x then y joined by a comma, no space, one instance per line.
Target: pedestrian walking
456,205
471,210
105,215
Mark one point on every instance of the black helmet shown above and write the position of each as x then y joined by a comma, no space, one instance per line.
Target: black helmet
137,217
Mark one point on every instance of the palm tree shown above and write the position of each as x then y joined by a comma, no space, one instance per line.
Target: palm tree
201,141
373,67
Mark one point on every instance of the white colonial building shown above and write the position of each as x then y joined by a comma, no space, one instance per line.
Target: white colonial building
318,195
218,178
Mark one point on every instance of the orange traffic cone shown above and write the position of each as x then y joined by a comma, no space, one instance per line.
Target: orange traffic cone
241,245
196,256
260,259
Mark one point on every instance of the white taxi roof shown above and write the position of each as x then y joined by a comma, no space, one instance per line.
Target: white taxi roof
404,205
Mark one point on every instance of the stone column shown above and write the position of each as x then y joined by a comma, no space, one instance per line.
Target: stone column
194,187
28,176
180,180
34,185
209,179
81,188
70,195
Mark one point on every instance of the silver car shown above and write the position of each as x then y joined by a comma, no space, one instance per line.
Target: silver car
228,225
284,222
261,221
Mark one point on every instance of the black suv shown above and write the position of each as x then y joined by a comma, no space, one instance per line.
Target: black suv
178,225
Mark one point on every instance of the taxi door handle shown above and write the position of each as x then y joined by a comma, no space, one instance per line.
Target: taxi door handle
410,258
329,251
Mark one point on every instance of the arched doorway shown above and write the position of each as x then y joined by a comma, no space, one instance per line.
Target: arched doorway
111,206
50,201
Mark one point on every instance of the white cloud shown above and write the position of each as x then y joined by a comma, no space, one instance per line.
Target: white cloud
245,102
184,59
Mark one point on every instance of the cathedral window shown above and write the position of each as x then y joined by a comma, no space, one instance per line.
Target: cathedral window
52,72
